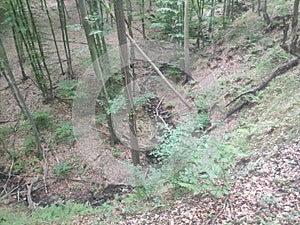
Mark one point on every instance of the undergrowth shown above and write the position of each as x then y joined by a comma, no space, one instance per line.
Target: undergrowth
197,164
58,213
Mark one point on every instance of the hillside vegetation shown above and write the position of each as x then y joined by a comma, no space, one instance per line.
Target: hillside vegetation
233,159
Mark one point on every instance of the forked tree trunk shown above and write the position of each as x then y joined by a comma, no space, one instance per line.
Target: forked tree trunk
265,13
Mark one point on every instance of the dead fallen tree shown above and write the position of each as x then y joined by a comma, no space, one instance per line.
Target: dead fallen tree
278,71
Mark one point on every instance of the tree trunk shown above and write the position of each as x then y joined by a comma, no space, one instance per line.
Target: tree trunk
65,36
265,13
295,36
36,33
20,20
98,69
120,20
187,66
4,66
54,37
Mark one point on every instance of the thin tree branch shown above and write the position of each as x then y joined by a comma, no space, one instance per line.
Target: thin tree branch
159,72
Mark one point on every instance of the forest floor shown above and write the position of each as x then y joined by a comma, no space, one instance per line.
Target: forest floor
265,183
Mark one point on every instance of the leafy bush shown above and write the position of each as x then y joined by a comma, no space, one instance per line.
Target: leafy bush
29,144
169,18
5,131
67,88
19,166
42,119
64,133
60,211
116,152
174,73
189,162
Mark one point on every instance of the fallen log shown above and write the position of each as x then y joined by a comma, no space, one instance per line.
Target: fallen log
278,71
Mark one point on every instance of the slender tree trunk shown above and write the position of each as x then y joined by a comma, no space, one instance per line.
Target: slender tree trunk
295,36
252,5
132,53
4,66
198,7
20,51
187,66
98,69
54,37
142,12
120,21
65,36
265,13
224,16
212,26
43,58
22,24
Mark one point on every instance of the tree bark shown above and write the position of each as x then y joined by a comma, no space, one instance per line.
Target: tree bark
124,55
187,66
295,36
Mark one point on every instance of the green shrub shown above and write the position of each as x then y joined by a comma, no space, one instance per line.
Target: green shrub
67,88
29,144
116,152
195,164
19,166
62,169
64,133
42,119
4,132
169,18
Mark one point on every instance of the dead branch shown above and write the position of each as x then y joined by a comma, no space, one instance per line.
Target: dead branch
31,204
45,167
8,176
278,71
73,42
238,107
220,212
157,113
4,121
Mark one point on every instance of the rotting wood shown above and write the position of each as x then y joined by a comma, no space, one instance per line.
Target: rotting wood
31,204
